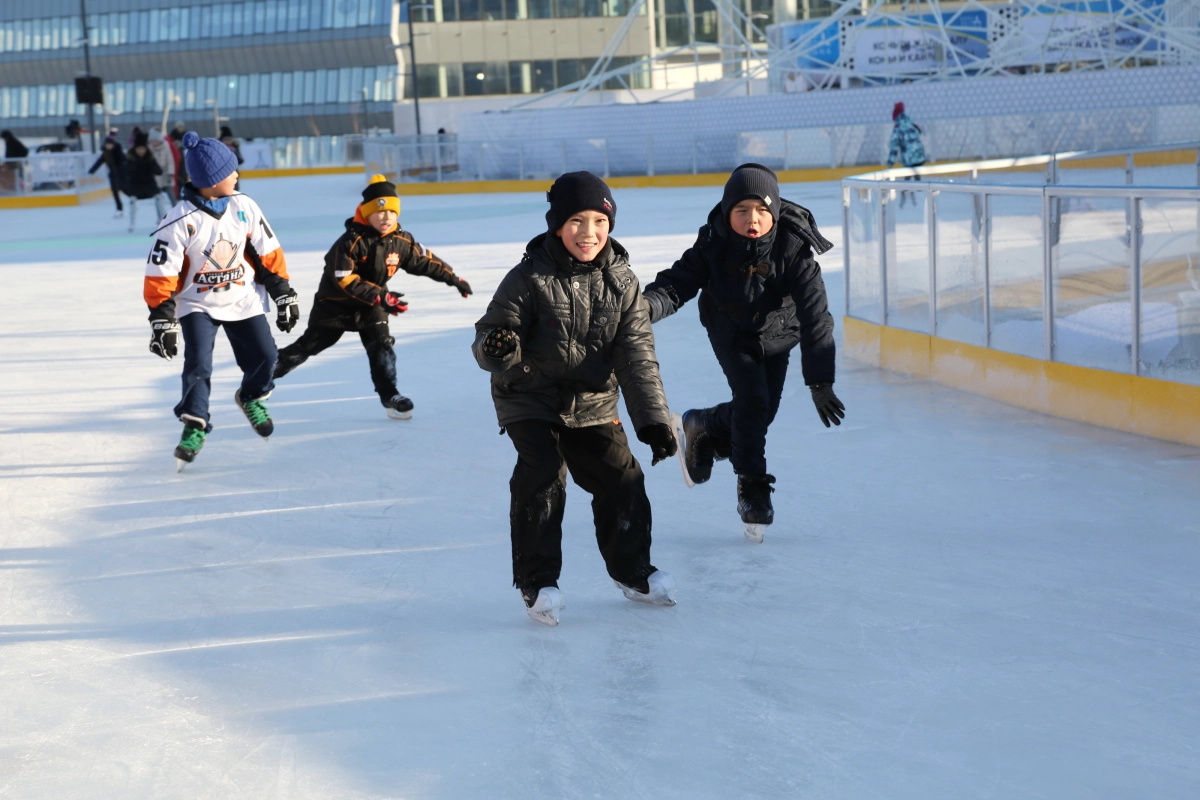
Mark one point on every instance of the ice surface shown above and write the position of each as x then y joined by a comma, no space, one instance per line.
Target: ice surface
959,599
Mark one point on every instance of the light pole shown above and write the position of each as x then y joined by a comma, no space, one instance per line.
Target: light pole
87,71
171,98
412,59
217,118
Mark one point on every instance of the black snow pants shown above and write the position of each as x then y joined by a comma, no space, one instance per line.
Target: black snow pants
757,386
324,329
600,461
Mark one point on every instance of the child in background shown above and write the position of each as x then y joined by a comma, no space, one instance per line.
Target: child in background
353,295
761,294
142,172
566,328
213,265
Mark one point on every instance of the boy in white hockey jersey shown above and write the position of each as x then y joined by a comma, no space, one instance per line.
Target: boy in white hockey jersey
214,264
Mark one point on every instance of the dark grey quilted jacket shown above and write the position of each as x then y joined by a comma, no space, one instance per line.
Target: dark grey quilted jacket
584,330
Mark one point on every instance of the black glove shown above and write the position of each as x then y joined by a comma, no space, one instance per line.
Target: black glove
164,338
463,287
661,439
392,303
288,307
500,342
827,403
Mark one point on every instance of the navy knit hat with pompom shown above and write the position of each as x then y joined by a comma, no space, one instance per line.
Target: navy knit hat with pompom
208,160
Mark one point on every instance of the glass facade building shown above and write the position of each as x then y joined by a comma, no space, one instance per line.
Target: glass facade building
272,67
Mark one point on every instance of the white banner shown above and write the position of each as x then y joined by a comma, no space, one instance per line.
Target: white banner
257,155
53,168
895,50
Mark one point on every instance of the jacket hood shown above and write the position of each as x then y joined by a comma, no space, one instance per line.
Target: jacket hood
793,219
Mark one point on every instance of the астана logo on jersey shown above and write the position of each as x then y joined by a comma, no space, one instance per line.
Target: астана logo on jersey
221,256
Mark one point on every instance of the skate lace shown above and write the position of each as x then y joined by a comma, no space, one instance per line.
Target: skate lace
759,489
256,412
193,439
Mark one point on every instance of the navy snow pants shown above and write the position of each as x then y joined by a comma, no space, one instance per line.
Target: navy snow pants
253,348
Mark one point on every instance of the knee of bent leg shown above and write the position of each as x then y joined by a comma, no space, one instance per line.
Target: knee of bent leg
755,402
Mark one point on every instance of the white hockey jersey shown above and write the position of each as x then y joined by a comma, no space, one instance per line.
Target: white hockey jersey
219,264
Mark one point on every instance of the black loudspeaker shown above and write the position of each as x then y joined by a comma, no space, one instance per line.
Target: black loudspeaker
89,91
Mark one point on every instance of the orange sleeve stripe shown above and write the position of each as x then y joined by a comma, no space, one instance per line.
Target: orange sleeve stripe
159,288
275,263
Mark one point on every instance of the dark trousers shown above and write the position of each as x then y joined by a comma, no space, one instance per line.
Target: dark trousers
253,348
599,460
114,185
326,327
757,387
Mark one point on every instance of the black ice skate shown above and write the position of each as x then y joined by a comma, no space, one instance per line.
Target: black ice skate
697,446
656,590
754,504
191,441
399,407
256,413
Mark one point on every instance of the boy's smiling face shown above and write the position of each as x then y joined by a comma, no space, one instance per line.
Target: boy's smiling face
585,234
383,221
751,218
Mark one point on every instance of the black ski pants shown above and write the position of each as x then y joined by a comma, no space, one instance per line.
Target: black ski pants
326,326
253,349
599,460
757,387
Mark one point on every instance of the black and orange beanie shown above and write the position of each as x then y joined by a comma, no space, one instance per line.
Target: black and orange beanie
380,195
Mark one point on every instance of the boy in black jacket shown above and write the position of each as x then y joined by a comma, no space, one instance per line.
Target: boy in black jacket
761,295
353,295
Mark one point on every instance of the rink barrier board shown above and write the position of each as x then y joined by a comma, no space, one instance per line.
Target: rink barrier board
1131,403
55,200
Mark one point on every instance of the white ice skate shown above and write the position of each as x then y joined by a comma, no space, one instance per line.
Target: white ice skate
755,531
545,609
661,586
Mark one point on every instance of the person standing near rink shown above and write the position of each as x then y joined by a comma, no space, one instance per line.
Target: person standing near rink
113,157
905,147
567,327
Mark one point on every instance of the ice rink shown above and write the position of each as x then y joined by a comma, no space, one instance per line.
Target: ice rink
959,599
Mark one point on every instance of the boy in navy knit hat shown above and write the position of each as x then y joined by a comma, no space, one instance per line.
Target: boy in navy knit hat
216,263
353,295
761,293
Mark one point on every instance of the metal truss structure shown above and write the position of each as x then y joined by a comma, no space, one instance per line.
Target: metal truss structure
870,43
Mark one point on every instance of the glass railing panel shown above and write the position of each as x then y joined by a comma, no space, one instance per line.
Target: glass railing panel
960,267
1092,310
865,301
1170,347
907,256
1017,276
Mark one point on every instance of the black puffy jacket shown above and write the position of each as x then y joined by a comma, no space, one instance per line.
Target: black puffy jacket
584,334
362,261
764,295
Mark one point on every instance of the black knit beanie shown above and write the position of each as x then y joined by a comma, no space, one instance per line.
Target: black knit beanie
579,191
751,180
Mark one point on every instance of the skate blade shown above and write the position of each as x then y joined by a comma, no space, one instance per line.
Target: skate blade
548,617
394,414
650,599
680,441
754,532
180,464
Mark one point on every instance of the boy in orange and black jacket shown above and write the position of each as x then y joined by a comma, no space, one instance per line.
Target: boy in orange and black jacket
353,295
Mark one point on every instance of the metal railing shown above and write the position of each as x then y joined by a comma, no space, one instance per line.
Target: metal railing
50,173
1102,276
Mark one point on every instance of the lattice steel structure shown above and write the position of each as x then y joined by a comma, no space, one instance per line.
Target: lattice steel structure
872,43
